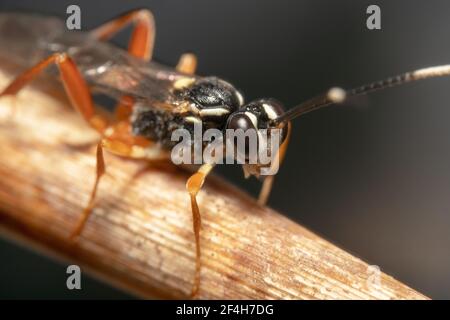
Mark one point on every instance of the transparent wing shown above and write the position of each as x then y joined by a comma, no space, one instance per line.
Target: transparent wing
115,73
108,69
21,36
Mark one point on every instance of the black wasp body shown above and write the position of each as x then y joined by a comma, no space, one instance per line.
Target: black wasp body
211,102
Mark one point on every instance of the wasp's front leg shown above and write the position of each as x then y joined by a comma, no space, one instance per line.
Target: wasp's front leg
193,186
268,181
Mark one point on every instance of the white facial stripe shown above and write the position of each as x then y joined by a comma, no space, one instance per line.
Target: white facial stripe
269,111
252,118
193,119
215,111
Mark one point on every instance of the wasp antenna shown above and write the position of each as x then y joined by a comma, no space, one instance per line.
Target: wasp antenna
338,95
332,96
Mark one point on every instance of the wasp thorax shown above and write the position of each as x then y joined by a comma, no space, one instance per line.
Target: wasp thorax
212,100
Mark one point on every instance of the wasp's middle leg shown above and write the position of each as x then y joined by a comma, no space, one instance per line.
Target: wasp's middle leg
100,171
118,139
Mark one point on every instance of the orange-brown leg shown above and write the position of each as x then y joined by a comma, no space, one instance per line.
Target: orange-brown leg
74,84
265,190
124,108
80,97
187,63
268,181
142,38
118,140
140,44
193,186
100,170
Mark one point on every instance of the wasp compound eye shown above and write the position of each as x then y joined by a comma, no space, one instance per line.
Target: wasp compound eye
242,133
240,121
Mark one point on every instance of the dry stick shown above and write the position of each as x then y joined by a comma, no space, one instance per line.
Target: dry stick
140,235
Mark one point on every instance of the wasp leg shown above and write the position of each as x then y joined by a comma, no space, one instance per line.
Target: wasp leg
268,181
118,139
80,97
187,63
265,190
74,85
100,170
140,44
124,108
142,38
193,186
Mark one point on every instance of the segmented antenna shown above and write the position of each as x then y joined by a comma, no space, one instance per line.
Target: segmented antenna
338,95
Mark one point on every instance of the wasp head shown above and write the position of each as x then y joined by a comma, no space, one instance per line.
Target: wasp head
255,120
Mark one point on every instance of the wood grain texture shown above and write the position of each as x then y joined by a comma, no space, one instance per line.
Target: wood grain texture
140,235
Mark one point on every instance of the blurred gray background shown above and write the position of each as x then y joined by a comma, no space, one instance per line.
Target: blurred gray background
373,176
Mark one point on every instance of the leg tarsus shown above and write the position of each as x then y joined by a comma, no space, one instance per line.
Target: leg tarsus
265,190
197,224
100,170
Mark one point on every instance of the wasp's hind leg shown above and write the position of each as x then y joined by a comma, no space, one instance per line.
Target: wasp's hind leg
142,38
187,63
80,97
193,186
74,85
